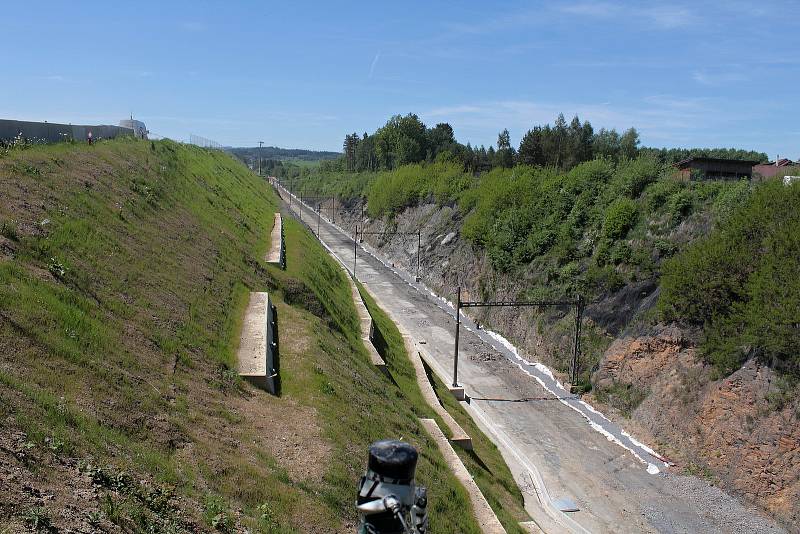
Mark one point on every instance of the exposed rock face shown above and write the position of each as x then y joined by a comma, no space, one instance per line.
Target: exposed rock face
726,426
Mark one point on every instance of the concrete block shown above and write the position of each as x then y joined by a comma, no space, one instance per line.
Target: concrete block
532,527
258,354
276,253
459,436
367,329
486,517
458,392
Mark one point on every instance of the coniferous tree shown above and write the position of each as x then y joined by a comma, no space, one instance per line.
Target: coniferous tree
629,144
505,154
531,151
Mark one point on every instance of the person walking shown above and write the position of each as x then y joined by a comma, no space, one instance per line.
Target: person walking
89,137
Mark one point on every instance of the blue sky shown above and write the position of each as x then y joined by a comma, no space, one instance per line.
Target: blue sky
302,74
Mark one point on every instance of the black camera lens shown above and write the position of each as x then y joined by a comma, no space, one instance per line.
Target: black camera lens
393,459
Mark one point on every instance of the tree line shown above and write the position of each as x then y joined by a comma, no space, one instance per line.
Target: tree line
405,139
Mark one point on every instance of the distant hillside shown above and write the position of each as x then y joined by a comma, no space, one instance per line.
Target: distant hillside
251,154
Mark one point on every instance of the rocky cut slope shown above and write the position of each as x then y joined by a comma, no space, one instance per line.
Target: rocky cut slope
729,412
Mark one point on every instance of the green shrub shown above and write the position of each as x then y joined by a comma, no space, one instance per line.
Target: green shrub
730,199
632,176
37,519
679,205
742,283
392,191
216,515
620,217
624,397
9,230
659,192
665,248
604,278
620,253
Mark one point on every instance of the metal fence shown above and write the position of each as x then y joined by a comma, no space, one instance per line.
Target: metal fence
203,142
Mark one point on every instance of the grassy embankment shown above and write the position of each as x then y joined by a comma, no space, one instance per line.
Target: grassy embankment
124,272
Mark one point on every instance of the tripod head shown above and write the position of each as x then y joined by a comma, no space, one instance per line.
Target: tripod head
389,502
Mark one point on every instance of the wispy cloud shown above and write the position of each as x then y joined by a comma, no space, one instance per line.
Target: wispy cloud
374,64
193,26
591,9
704,77
484,25
668,17
456,110
678,102
665,16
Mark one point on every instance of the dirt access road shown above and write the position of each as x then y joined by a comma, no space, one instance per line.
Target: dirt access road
555,448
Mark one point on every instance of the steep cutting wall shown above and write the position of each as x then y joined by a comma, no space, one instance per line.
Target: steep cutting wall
740,432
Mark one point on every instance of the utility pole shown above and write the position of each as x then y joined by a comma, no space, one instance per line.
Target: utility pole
319,216
333,214
576,347
355,251
419,245
458,328
260,158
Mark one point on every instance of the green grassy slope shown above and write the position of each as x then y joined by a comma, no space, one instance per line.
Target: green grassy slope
124,273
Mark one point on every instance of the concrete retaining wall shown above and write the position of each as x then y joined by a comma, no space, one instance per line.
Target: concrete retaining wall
51,132
483,512
414,351
367,328
258,354
277,248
